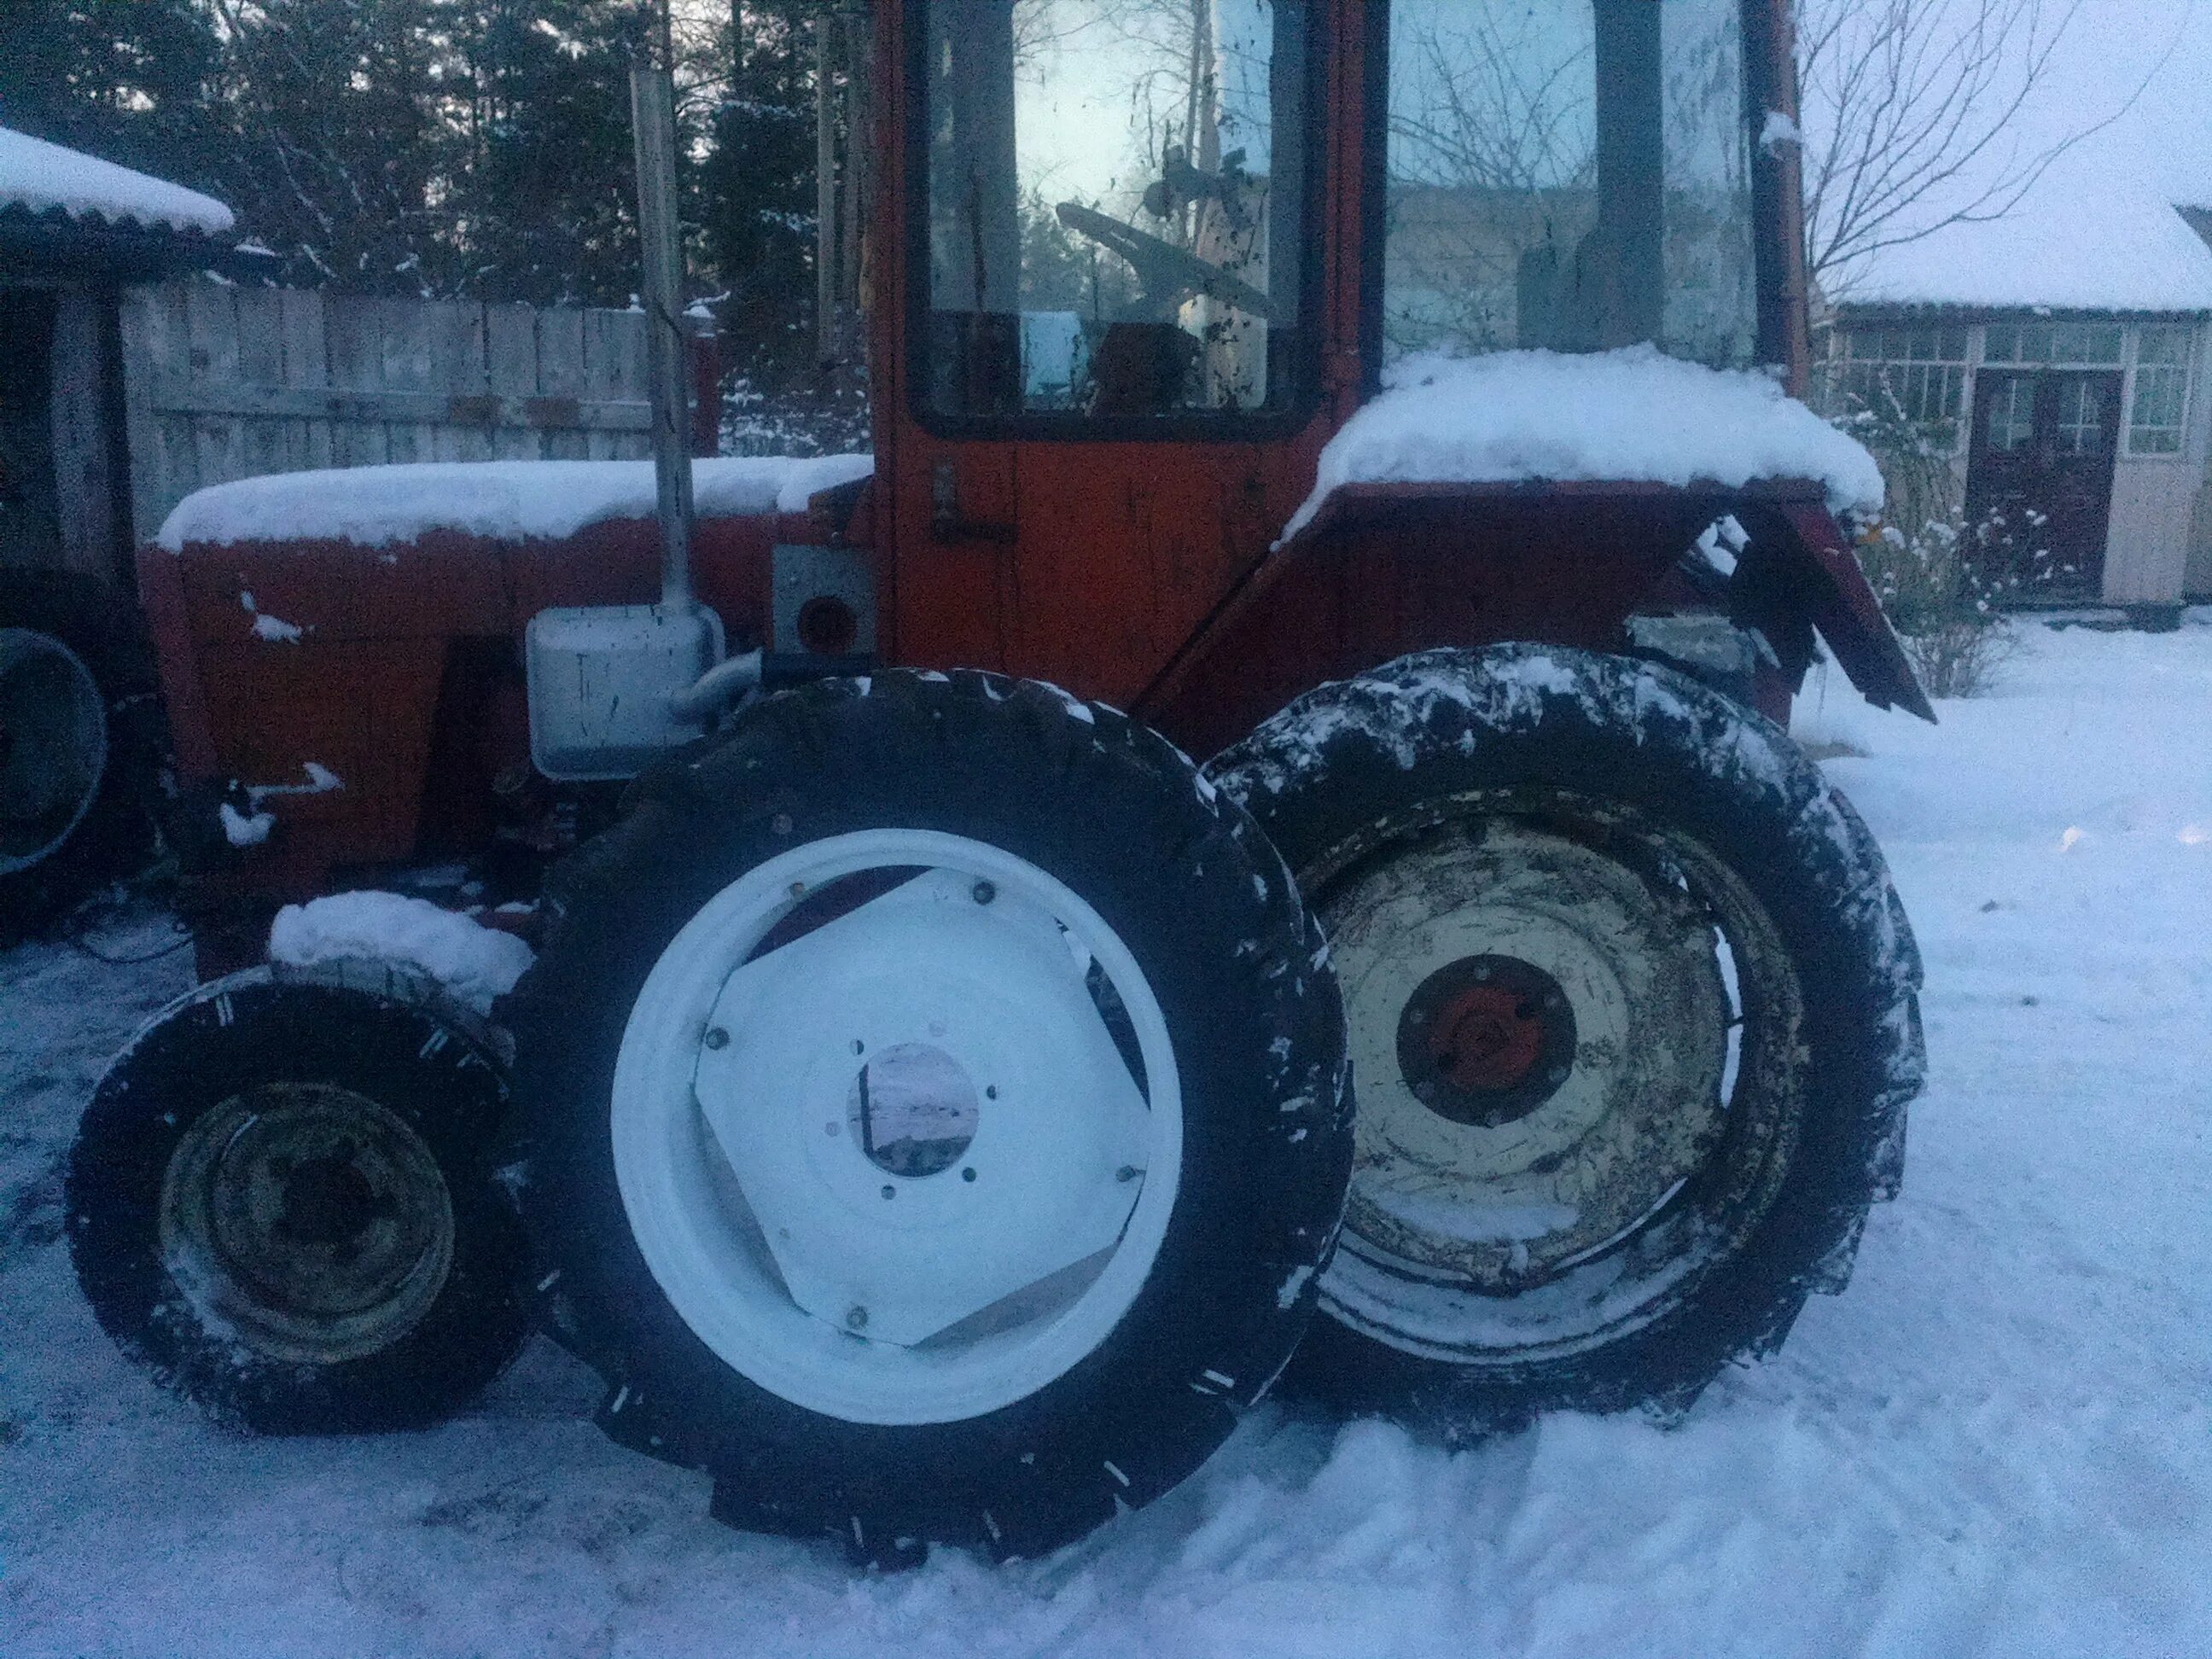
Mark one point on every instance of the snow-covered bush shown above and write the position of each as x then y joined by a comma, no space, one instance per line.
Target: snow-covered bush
1928,565
1944,610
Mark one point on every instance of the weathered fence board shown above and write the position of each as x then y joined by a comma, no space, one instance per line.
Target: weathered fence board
225,382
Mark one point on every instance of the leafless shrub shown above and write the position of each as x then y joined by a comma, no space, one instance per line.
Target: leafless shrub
1921,557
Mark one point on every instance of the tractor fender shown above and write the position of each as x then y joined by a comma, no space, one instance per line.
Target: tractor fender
1798,574
1385,569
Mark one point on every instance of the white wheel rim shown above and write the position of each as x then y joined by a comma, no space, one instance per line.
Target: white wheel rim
741,1104
53,745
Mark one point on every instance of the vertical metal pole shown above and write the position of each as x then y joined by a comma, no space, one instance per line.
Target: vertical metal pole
653,114
825,194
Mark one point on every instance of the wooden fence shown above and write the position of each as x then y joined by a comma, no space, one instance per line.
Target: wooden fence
225,382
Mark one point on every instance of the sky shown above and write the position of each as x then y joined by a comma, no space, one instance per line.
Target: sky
2166,139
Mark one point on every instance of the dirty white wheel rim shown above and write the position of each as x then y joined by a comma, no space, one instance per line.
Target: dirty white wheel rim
1590,1212
53,745
897,1168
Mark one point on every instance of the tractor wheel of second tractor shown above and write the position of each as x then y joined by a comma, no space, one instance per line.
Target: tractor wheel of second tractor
80,737
1632,1022
933,1113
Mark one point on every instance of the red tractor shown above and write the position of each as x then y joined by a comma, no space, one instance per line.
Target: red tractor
936,1104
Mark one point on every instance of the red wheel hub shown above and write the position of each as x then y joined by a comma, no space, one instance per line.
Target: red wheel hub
1488,1037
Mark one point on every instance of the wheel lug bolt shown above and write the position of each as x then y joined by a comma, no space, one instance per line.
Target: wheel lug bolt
781,824
984,892
716,1037
967,1175
1127,1172
891,1192
857,1317
798,889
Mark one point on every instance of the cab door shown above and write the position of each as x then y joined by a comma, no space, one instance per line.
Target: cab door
1104,341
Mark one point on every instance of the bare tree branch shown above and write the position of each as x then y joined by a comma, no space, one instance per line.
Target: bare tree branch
1912,118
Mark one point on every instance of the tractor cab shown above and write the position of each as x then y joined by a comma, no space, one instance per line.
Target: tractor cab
1139,263
1126,214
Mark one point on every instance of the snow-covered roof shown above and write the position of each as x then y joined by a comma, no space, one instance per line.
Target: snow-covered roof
2082,243
506,500
1631,417
41,178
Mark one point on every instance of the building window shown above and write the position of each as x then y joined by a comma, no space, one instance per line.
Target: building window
2070,345
2012,413
2159,411
1917,372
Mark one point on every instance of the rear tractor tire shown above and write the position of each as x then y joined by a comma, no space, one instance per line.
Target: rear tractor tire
281,1201
1633,1017
933,1114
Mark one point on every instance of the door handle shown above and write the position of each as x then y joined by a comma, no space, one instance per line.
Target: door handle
945,524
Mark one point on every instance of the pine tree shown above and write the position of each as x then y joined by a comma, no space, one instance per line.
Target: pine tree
128,81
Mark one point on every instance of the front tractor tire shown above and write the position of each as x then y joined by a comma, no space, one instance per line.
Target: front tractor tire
1633,1019
933,1114
281,1201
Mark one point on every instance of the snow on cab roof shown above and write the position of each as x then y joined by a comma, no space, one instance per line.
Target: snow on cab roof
42,178
2079,243
1628,417
503,501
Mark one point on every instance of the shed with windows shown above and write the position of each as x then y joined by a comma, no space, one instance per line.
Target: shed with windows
2061,360
73,229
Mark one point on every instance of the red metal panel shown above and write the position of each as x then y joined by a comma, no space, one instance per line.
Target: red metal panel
444,585
1403,571
161,596
1838,601
362,710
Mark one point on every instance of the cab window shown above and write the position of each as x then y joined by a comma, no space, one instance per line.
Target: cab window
1569,175
1114,209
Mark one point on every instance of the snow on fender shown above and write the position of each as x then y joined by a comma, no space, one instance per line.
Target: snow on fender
476,964
1633,415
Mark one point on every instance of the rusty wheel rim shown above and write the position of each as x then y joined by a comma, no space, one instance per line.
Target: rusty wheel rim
308,1222
1532,1180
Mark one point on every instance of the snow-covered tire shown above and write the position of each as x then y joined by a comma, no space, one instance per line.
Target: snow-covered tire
281,1200
79,731
1598,1158
968,882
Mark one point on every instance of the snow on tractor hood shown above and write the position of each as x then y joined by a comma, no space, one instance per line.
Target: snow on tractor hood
1628,416
501,501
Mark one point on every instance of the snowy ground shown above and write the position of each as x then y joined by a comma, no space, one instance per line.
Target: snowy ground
1999,1442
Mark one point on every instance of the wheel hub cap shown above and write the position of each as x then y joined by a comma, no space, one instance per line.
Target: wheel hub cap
1486,1039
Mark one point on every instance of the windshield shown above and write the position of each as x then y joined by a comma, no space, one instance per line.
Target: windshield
1569,173
1114,205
